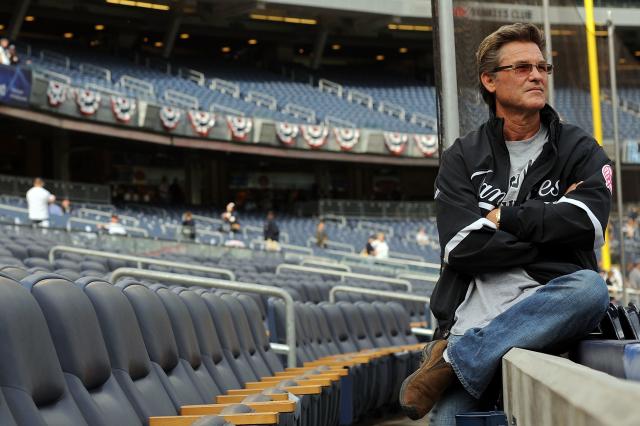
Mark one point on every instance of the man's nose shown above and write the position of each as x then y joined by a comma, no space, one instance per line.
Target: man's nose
535,74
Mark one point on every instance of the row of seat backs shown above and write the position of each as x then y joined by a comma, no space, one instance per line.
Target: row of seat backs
328,329
116,346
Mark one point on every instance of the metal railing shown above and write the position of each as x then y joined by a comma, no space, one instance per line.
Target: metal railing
391,109
334,245
393,281
331,87
257,243
124,218
139,260
327,265
96,71
406,256
181,100
189,280
386,295
225,86
418,277
140,87
361,98
129,229
299,111
394,262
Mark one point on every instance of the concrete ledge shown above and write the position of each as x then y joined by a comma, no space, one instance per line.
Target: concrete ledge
541,390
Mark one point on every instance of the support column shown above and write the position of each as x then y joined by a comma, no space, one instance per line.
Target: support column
170,35
17,18
318,47
447,50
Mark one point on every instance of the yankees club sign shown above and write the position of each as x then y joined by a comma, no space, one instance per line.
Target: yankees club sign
170,117
201,121
123,108
427,144
347,137
396,142
287,133
88,101
56,93
240,127
314,134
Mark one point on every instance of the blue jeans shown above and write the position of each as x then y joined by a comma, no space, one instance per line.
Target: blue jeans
565,309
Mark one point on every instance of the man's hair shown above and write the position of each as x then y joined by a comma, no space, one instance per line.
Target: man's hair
488,53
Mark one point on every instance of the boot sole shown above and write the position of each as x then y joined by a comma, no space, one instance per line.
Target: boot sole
410,410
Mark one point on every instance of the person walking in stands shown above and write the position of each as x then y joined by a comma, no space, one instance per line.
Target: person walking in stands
188,226
271,231
380,247
321,235
38,200
114,227
5,55
522,202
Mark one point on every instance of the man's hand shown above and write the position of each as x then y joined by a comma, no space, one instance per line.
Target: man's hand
572,187
493,216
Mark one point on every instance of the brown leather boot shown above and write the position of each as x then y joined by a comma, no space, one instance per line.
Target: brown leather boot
421,390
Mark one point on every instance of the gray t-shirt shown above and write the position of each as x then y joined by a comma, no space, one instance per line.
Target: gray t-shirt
490,294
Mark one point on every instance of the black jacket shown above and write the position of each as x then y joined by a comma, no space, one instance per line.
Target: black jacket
545,232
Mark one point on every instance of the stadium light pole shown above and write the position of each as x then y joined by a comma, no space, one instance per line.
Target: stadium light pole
450,117
616,144
594,86
548,49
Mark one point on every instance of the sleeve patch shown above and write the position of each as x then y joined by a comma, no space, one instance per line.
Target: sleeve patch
607,173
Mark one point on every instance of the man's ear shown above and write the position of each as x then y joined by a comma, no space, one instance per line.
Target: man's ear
489,82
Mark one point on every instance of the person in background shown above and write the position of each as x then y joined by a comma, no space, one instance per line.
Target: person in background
38,200
66,205
321,235
114,227
271,230
230,219
380,247
368,248
55,210
422,239
188,226
13,55
5,56
634,275
271,233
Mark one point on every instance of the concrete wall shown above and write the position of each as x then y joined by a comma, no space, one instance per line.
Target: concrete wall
545,390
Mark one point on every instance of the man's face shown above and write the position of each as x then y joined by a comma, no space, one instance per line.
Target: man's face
518,92
4,43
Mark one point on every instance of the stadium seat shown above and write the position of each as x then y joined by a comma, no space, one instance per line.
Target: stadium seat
31,379
82,352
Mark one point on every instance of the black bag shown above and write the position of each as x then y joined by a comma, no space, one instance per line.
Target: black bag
630,321
610,326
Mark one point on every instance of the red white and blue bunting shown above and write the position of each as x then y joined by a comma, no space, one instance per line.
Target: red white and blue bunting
396,142
347,137
56,93
123,108
170,117
315,134
239,126
88,101
428,144
201,121
287,133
